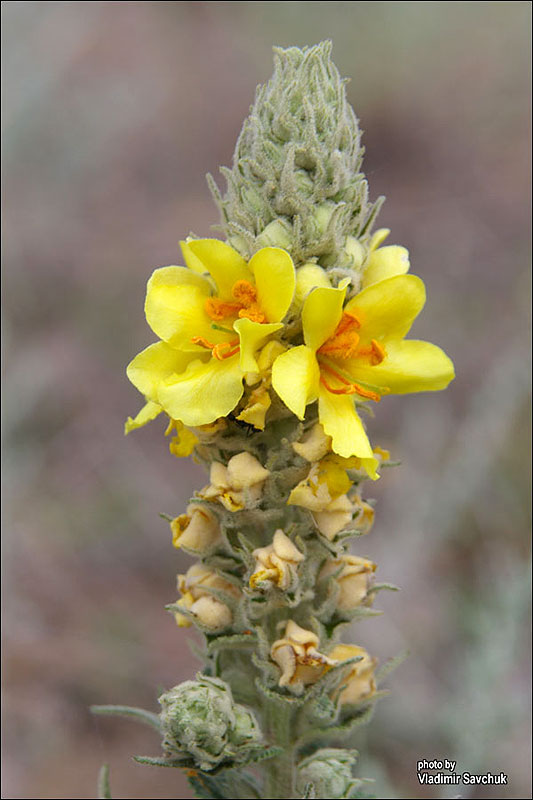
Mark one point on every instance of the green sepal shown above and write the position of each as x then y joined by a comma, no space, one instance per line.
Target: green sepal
154,761
378,587
390,665
230,641
104,789
309,792
139,714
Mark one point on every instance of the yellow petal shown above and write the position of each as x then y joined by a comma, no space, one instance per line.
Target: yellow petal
154,364
255,412
378,238
308,278
295,378
386,263
174,307
252,336
275,281
192,261
321,314
223,263
147,413
244,470
204,392
386,310
340,420
409,366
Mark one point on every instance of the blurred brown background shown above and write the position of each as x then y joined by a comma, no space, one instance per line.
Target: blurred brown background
113,113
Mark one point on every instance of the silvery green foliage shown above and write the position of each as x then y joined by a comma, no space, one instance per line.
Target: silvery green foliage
328,773
296,180
200,720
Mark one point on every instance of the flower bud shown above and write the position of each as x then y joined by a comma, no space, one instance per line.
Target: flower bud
322,215
200,719
330,772
308,277
360,682
355,253
276,234
354,579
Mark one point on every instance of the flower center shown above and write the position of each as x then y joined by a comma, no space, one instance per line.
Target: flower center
344,344
245,304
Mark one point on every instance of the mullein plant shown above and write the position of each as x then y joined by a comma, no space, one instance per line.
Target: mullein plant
272,342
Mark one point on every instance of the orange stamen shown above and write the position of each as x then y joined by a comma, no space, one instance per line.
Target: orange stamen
202,342
219,309
218,351
375,351
348,388
244,292
253,312
344,341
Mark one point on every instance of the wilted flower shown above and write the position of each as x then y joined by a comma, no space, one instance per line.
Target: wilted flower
197,531
298,658
277,563
208,609
360,682
353,575
238,485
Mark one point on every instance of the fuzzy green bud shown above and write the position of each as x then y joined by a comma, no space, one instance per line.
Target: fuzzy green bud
200,719
298,163
330,772
276,234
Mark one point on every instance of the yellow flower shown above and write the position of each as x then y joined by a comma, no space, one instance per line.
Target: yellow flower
210,326
360,681
277,563
298,658
358,352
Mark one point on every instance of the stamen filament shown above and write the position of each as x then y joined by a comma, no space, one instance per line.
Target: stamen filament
217,350
349,387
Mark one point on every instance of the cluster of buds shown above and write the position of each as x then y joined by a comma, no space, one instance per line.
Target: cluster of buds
201,721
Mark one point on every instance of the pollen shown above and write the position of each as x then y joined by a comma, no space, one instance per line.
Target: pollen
375,350
218,310
343,343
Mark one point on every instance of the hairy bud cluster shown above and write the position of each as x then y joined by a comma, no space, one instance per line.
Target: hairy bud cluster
200,719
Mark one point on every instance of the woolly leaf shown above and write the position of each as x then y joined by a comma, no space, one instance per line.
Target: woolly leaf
138,714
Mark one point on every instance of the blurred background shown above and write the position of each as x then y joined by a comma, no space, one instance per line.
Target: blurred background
113,113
